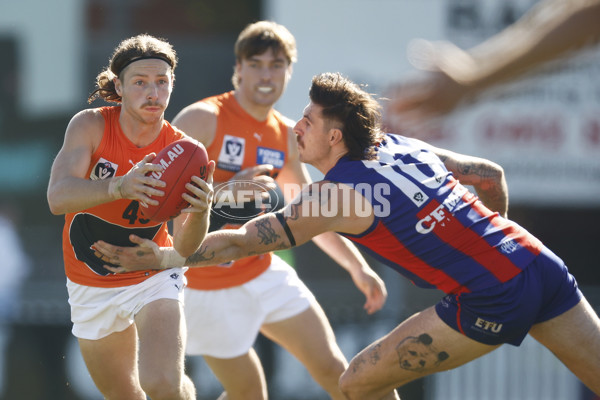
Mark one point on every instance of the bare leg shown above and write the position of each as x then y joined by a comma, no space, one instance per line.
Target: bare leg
574,337
421,345
309,337
162,338
242,377
112,364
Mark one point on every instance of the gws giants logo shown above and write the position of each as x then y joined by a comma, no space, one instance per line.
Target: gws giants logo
104,169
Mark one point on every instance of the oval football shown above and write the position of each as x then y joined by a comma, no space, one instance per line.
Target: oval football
180,160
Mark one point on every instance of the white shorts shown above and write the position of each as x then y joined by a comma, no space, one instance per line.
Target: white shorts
97,312
224,323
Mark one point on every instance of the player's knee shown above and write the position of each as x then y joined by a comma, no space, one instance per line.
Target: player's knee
122,392
162,385
355,385
329,371
348,385
335,367
245,392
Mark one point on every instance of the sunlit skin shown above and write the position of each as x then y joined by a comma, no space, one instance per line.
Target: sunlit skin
315,135
147,86
262,80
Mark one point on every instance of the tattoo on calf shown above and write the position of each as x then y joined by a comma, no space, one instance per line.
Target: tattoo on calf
418,353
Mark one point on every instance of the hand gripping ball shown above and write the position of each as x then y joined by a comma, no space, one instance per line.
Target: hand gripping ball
180,160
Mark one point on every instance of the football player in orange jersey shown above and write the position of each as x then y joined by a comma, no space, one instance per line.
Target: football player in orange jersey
130,328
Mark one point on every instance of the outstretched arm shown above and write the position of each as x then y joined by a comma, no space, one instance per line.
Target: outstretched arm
297,223
548,31
260,235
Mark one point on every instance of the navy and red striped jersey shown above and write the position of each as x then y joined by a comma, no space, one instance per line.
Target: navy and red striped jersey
428,226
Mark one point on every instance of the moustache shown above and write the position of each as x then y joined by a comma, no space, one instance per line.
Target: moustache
151,104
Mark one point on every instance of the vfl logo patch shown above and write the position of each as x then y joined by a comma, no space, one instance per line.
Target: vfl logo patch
231,156
265,155
104,169
419,197
233,149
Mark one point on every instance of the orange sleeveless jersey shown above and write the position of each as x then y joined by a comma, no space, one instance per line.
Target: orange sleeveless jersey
114,221
240,142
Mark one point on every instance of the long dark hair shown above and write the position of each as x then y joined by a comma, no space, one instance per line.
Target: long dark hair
130,50
347,104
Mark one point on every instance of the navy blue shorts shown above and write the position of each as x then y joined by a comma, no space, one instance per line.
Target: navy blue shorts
505,313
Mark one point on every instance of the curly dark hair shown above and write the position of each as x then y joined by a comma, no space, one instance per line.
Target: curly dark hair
347,104
129,50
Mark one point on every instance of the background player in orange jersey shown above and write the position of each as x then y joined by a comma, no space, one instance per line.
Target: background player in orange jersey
255,149
130,327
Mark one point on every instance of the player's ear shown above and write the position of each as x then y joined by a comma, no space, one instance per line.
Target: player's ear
118,86
335,136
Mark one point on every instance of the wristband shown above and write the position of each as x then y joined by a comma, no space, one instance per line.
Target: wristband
170,258
286,228
114,188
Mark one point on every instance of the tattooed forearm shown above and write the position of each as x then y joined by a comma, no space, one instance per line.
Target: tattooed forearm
265,232
310,200
486,177
200,255
294,212
481,170
280,246
467,168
